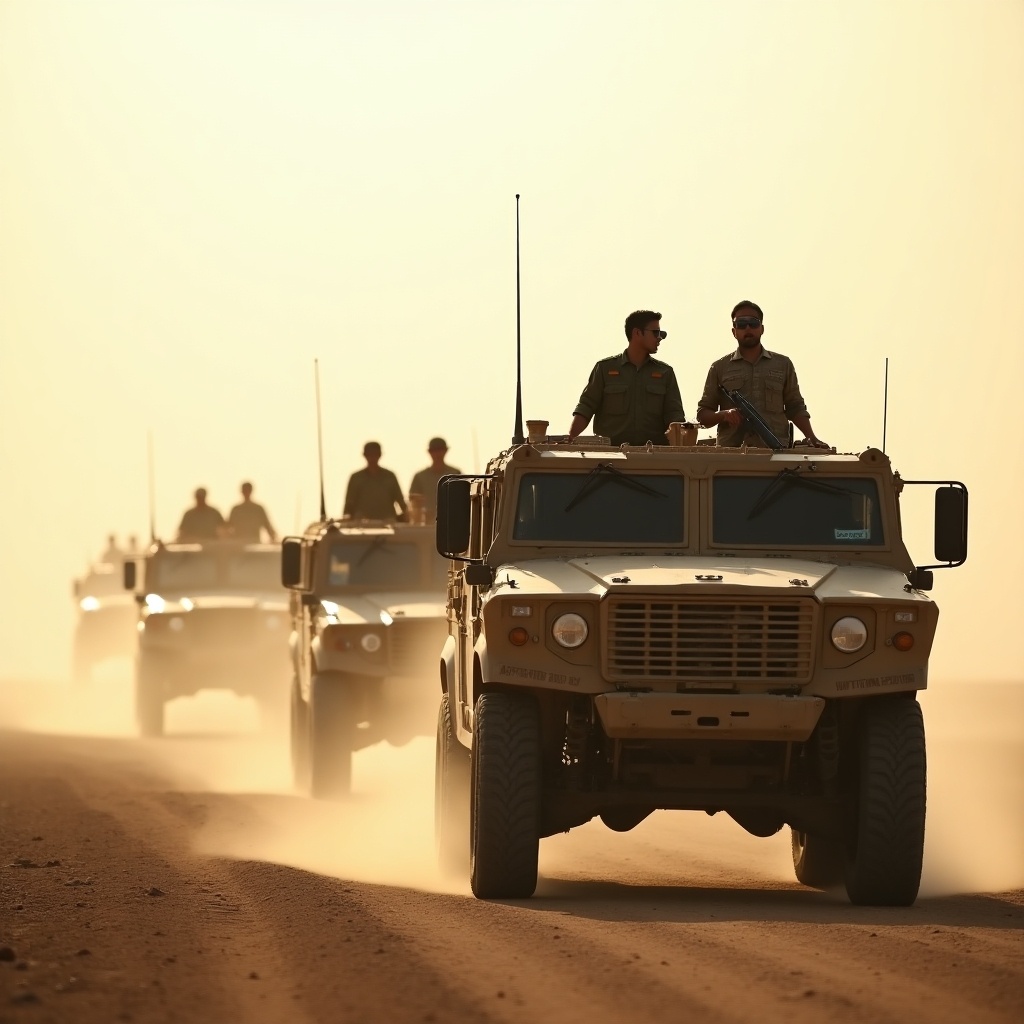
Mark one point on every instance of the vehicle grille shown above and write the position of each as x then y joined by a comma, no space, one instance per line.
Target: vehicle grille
415,647
715,641
226,626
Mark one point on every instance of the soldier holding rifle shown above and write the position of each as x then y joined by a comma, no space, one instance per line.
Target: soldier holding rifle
766,379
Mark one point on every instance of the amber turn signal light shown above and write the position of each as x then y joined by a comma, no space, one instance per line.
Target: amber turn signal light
519,636
903,641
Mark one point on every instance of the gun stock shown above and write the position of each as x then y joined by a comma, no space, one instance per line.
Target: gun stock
753,417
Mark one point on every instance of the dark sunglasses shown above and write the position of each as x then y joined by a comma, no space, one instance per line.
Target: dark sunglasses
746,321
661,334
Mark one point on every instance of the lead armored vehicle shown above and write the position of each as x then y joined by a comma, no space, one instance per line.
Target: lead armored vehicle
691,628
210,616
368,622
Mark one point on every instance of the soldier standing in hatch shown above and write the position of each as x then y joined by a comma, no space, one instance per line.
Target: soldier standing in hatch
248,518
766,379
373,493
201,522
632,396
112,553
424,483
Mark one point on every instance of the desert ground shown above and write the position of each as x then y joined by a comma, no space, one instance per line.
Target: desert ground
182,879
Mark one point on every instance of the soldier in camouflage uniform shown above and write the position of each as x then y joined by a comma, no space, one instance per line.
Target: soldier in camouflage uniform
632,396
766,379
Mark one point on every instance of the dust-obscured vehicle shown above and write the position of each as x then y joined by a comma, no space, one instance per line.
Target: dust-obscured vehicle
693,628
368,622
210,616
105,624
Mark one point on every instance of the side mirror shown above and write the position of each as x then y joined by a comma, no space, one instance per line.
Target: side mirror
128,571
951,525
291,562
452,536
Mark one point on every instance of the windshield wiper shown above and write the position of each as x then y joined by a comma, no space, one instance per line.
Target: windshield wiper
375,545
774,490
592,482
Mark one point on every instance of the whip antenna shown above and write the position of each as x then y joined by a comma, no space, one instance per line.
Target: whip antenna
319,439
152,486
518,437
885,402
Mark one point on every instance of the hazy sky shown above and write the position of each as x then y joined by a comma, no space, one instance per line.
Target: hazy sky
199,198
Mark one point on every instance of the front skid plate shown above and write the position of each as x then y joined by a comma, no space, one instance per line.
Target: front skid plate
733,716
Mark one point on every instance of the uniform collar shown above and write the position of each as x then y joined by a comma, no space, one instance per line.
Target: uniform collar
624,358
738,354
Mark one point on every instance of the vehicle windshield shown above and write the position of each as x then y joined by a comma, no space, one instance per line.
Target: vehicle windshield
794,509
605,506
214,570
374,562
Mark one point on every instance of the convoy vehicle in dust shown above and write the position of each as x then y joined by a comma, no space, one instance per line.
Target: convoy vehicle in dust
368,622
211,616
105,625
692,628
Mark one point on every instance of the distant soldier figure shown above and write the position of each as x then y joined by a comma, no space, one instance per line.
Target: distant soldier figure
248,518
112,553
373,493
202,521
424,483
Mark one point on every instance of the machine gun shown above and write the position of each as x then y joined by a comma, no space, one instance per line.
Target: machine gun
753,418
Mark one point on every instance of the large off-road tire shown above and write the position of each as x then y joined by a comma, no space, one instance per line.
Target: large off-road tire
817,860
298,720
331,726
451,796
885,849
506,797
149,697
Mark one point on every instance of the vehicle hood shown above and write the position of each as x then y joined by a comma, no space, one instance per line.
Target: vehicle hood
622,573
363,609
208,602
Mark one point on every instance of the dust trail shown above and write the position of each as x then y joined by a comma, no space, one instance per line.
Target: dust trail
975,830
383,833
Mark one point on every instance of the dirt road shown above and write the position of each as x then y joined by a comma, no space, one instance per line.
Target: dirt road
181,880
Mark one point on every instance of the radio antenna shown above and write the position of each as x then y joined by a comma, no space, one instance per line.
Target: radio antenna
518,437
152,486
885,402
319,439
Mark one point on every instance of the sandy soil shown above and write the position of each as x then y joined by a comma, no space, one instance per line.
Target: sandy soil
181,880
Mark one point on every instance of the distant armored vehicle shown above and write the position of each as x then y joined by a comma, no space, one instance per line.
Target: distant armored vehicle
105,626
211,616
368,623
694,628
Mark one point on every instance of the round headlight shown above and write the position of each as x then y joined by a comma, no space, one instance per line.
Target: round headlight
570,630
849,634
177,624
370,643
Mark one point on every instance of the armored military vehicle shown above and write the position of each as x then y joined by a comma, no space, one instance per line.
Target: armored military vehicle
211,616
368,622
105,624
692,628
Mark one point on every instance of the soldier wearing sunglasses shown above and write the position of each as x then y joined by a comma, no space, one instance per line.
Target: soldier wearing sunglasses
632,396
766,379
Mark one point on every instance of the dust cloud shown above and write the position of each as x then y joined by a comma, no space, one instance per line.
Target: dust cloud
383,834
